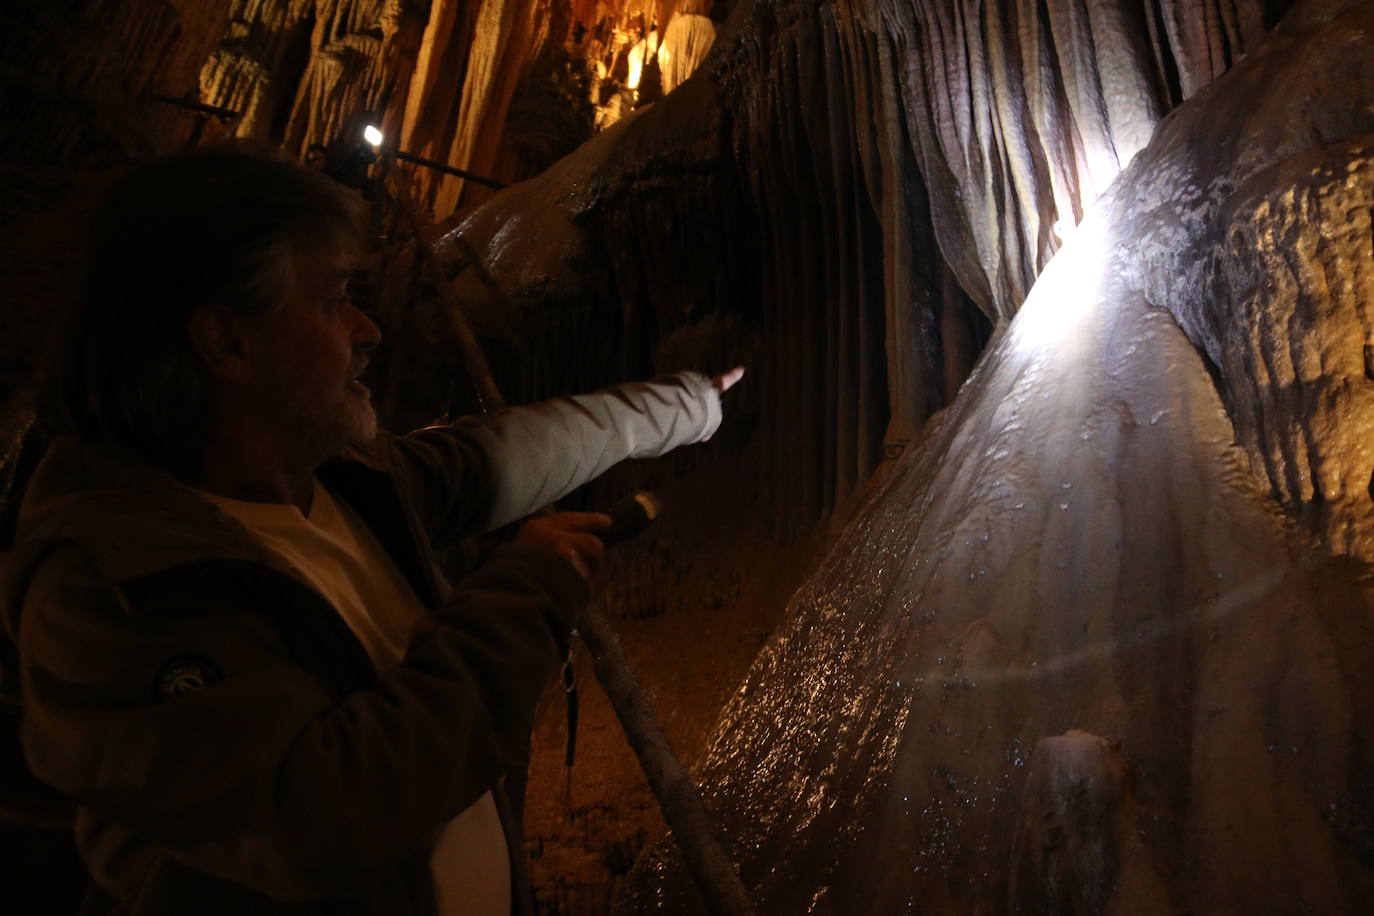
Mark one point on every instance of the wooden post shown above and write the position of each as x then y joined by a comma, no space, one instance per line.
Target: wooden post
672,785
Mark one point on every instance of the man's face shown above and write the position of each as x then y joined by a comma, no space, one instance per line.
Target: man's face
307,357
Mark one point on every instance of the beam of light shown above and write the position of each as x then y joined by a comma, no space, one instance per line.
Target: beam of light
372,135
1242,597
1069,288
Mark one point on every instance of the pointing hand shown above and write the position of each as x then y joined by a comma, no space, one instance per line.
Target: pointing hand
726,380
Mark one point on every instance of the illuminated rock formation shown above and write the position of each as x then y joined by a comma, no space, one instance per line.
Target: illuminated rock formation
805,760
1071,657
298,71
685,43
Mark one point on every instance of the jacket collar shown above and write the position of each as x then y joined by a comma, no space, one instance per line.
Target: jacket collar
132,519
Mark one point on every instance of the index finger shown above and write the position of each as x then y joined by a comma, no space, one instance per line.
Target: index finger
726,380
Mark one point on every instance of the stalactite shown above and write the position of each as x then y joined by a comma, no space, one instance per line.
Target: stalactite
251,71
301,71
452,82
685,43
505,30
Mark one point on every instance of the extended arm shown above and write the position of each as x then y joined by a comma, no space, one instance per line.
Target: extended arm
533,455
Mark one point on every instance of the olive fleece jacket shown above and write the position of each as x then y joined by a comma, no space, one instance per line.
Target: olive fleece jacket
292,778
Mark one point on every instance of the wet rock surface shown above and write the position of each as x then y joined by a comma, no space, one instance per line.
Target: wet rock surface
1081,543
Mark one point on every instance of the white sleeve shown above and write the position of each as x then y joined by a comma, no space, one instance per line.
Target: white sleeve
544,451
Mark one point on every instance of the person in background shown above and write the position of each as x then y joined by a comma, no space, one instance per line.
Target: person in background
238,653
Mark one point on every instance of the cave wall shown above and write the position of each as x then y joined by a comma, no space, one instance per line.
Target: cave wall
78,78
1274,281
888,238
79,85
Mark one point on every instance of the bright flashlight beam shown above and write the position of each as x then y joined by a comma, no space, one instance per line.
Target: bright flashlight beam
1067,290
372,135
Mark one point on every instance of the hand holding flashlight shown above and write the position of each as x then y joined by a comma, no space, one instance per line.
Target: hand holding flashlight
571,535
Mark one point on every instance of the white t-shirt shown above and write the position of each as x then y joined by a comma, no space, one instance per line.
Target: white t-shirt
336,553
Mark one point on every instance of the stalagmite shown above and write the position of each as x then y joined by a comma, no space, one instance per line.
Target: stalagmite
1079,543
1075,841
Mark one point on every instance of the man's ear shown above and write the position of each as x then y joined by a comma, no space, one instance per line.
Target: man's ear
216,335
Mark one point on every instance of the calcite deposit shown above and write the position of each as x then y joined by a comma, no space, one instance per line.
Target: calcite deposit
1072,656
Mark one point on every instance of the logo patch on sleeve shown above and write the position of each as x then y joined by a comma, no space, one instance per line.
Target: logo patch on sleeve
184,675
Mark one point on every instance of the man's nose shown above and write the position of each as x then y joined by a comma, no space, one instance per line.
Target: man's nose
366,334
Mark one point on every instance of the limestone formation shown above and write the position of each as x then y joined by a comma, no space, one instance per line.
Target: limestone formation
1080,544
685,43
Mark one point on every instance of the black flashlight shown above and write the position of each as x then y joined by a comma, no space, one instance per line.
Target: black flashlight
629,516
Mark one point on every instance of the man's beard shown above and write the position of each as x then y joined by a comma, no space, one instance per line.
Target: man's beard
361,425
321,432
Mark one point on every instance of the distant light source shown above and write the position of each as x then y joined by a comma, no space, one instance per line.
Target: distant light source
372,135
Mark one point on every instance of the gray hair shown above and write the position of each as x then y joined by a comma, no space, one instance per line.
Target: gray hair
213,225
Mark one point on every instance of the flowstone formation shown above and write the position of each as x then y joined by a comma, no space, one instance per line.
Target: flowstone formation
1072,655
